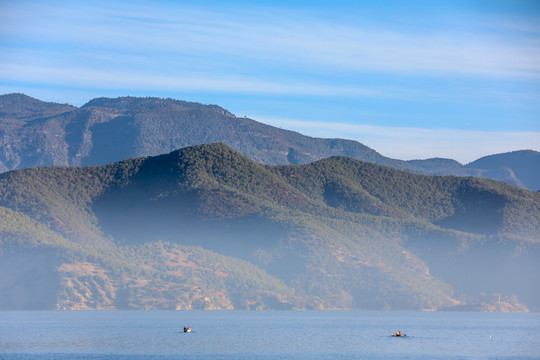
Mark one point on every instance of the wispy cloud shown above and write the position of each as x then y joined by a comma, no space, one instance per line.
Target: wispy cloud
82,78
223,38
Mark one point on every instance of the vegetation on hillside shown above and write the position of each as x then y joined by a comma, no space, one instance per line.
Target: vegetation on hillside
105,130
206,227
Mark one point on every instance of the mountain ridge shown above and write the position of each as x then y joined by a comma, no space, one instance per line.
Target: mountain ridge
338,233
106,130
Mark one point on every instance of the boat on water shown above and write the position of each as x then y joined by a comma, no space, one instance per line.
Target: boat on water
399,334
187,329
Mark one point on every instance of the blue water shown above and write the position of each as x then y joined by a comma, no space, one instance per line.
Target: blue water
243,335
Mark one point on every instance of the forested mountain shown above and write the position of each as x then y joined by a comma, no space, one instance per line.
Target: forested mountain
36,133
522,165
106,130
520,168
205,227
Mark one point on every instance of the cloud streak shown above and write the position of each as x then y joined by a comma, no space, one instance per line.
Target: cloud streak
293,40
112,80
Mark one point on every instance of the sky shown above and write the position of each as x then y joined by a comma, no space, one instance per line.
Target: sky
410,79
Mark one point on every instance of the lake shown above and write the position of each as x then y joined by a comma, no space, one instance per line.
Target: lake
267,335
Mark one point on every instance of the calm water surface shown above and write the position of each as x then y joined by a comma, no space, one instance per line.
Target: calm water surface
267,335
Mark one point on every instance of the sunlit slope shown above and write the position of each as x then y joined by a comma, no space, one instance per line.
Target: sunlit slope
338,233
43,270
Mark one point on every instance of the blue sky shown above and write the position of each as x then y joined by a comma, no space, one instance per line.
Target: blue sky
410,79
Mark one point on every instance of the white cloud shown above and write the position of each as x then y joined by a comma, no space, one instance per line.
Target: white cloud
416,143
225,37
114,80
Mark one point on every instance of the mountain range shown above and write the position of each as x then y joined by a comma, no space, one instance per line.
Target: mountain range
206,227
37,133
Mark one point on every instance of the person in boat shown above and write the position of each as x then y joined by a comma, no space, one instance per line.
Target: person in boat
398,333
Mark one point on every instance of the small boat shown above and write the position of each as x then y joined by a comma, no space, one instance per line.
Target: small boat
187,329
399,334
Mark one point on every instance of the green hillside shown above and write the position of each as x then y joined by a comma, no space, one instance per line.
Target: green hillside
106,130
206,227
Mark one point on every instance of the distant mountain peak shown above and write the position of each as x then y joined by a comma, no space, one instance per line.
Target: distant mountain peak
137,104
493,159
18,97
437,163
23,107
521,164
23,99
106,130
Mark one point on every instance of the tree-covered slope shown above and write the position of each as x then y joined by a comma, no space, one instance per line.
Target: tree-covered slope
37,133
106,130
22,108
474,205
206,227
